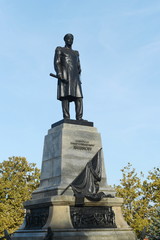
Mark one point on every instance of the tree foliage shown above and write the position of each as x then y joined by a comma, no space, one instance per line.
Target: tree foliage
18,179
141,197
154,228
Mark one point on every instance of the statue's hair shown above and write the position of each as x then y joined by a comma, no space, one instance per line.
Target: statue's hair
68,34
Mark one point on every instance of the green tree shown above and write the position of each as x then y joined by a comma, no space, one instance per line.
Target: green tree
154,228
141,197
18,179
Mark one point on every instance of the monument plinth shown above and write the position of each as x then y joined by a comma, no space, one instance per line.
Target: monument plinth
68,147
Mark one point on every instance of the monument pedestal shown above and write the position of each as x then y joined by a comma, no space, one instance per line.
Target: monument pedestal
92,221
68,147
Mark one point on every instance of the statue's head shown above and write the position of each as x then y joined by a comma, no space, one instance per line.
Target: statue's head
68,38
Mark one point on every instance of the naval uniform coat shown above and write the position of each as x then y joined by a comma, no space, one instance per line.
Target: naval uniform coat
67,66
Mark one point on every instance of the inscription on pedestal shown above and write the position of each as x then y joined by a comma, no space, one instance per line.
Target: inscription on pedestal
36,218
82,145
92,217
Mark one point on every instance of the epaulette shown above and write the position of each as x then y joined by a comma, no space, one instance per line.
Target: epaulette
76,52
58,48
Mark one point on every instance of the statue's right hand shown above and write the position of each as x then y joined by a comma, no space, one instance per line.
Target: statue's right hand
59,75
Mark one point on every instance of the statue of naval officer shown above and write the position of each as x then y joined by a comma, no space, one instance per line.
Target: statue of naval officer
67,67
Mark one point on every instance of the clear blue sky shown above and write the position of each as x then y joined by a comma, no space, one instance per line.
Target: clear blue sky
119,45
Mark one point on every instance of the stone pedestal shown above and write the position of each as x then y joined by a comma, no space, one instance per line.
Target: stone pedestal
67,149
68,146
61,219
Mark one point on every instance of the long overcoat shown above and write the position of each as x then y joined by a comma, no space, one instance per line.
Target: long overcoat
67,66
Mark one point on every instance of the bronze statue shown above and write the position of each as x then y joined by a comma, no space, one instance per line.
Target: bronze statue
68,70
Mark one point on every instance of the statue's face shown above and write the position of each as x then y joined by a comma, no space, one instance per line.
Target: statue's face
69,40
